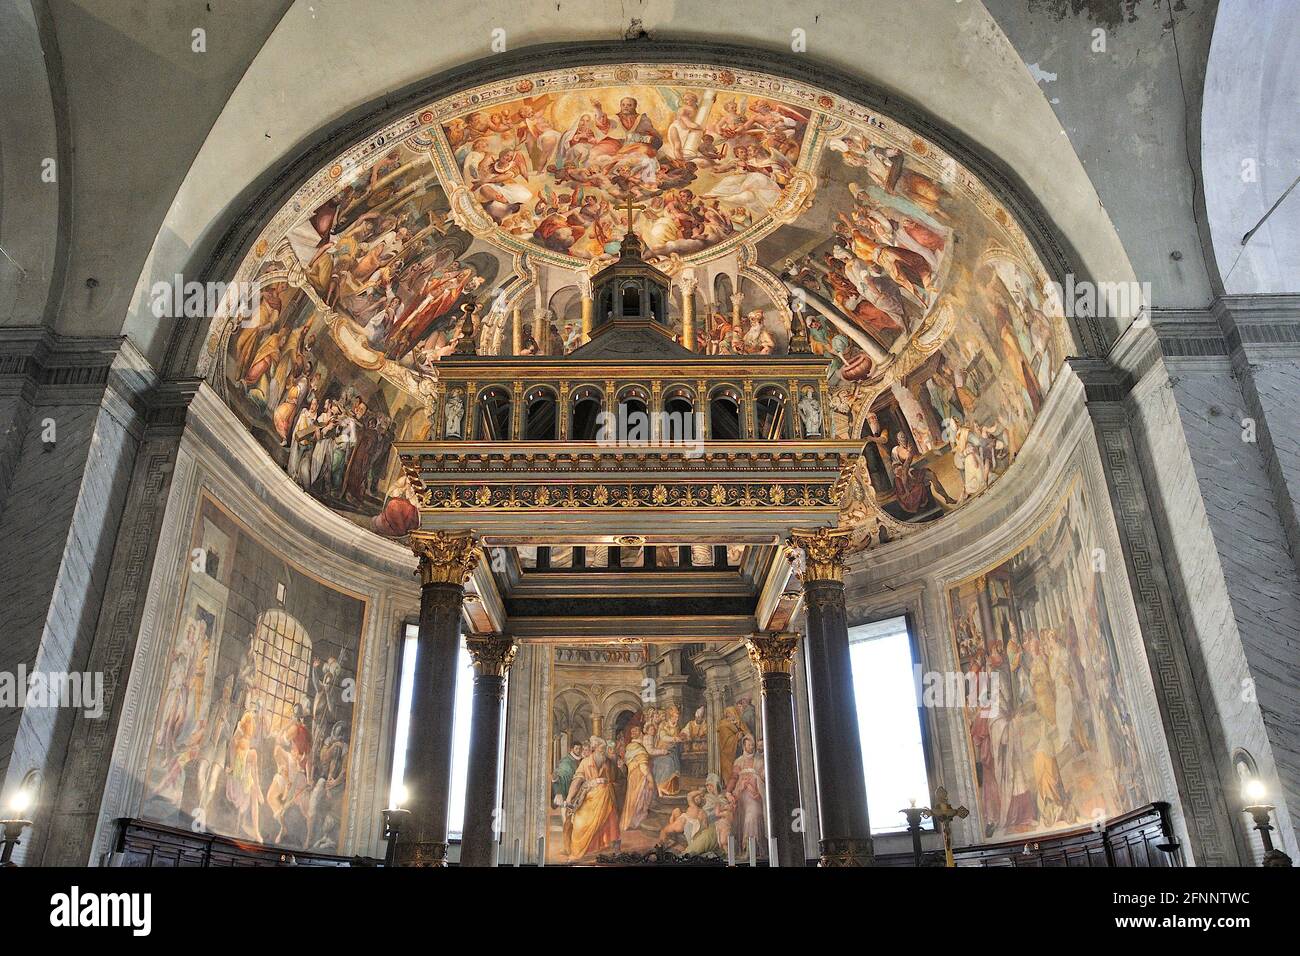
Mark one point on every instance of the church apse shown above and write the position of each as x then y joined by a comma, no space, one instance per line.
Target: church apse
474,225
1050,719
654,745
252,737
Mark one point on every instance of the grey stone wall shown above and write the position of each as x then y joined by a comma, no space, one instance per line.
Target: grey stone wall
58,528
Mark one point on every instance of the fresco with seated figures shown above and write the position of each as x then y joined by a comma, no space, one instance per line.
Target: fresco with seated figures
780,203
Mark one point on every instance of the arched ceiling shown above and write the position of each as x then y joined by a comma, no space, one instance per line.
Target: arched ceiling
942,328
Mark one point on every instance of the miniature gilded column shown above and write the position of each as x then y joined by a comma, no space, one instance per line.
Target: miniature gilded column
516,331
773,655
446,560
588,308
818,558
686,283
492,654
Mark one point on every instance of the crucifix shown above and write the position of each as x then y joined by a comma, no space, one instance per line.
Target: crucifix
943,814
631,210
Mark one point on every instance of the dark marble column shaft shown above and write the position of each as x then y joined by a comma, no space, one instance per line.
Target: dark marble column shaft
445,563
492,659
841,782
818,558
773,655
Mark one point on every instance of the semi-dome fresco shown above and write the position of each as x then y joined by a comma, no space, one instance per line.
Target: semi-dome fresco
785,204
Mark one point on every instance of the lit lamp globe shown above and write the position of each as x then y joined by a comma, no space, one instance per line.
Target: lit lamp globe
398,796
1259,812
394,820
15,824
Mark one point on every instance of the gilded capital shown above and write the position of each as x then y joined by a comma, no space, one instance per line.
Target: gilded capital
445,557
772,653
492,654
818,555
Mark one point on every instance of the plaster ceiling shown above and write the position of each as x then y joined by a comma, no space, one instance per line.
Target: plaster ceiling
943,332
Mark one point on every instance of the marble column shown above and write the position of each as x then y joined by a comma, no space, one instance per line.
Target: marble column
773,656
542,331
492,655
686,284
516,331
818,557
446,560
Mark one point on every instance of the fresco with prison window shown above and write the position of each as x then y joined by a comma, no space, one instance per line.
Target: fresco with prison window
253,733
474,223
1052,732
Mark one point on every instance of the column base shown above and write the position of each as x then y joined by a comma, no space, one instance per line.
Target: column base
421,854
846,853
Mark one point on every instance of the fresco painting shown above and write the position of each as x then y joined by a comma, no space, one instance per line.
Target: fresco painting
702,165
492,207
253,734
1053,738
639,762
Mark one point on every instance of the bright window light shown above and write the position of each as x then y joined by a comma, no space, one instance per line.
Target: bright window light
889,723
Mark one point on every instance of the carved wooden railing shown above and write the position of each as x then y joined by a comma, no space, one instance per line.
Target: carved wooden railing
141,843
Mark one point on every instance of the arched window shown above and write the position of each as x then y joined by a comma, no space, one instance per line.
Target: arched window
724,414
540,418
493,415
633,417
281,651
631,299
584,415
656,306
771,413
679,409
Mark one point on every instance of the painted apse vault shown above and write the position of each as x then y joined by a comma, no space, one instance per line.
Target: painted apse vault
1054,740
253,733
655,745
776,203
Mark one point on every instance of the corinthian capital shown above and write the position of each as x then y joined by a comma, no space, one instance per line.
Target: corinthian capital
492,654
772,653
446,557
687,283
818,555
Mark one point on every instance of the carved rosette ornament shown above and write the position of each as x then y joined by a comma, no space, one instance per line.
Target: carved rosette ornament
492,654
818,555
445,557
772,653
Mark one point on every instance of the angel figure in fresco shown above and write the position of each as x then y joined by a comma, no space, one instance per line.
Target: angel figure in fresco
752,180
685,133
